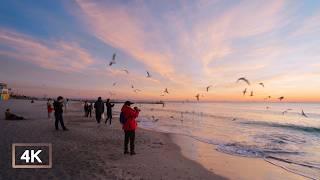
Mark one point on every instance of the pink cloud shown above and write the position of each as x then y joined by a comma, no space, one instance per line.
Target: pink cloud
60,55
125,29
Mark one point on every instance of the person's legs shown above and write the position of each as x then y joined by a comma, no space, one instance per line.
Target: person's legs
98,117
132,138
110,117
61,122
126,141
56,116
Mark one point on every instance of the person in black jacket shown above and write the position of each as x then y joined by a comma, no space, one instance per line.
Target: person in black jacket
85,108
89,109
109,111
58,111
99,108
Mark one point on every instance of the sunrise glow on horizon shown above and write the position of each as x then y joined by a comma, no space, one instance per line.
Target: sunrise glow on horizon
51,48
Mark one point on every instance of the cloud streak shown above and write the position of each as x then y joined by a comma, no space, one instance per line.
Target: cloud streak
54,55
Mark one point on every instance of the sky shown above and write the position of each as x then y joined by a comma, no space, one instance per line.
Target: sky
51,48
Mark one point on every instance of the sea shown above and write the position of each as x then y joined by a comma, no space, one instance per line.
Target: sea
276,132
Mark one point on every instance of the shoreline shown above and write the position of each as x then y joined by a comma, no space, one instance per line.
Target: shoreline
91,151
230,166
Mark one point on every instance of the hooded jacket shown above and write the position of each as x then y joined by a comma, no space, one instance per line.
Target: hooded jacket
58,107
99,106
130,115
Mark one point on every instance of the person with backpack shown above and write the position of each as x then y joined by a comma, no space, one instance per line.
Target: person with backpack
129,124
58,111
99,108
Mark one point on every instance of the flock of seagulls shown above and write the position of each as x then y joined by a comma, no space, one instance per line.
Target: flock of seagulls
197,96
251,93
268,97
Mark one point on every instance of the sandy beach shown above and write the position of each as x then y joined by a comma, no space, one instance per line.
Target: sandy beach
91,151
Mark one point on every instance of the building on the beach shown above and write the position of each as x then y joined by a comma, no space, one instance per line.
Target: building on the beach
4,92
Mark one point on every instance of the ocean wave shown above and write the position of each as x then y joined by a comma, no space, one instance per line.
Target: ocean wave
286,126
251,150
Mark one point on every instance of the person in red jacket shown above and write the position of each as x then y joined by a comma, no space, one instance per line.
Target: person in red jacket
129,126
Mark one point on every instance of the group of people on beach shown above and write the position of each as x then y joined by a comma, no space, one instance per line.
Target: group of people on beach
99,110
128,117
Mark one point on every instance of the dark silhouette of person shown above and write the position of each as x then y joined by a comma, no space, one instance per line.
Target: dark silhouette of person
129,126
85,108
58,113
11,116
109,111
99,108
90,109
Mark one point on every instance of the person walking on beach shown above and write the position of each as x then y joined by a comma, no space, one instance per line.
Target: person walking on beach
99,108
109,111
85,108
49,108
58,111
90,109
129,124
65,102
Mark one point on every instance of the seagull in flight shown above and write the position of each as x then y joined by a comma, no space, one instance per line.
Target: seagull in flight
132,86
137,90
251,93
148,74
198,97
281,98
166,91
244,91
126,71
286,111
261,84
115,83
155,120
208,87
244,79
113,59
303,114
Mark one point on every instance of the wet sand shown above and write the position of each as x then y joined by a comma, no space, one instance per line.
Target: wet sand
230,166
89,150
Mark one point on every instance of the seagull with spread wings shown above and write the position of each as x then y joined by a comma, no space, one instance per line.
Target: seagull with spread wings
244,79
166,91
113,61
261,84
303,114
198,97
286,111
208,87
251,94
148,74
137,90
244,91
126,71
